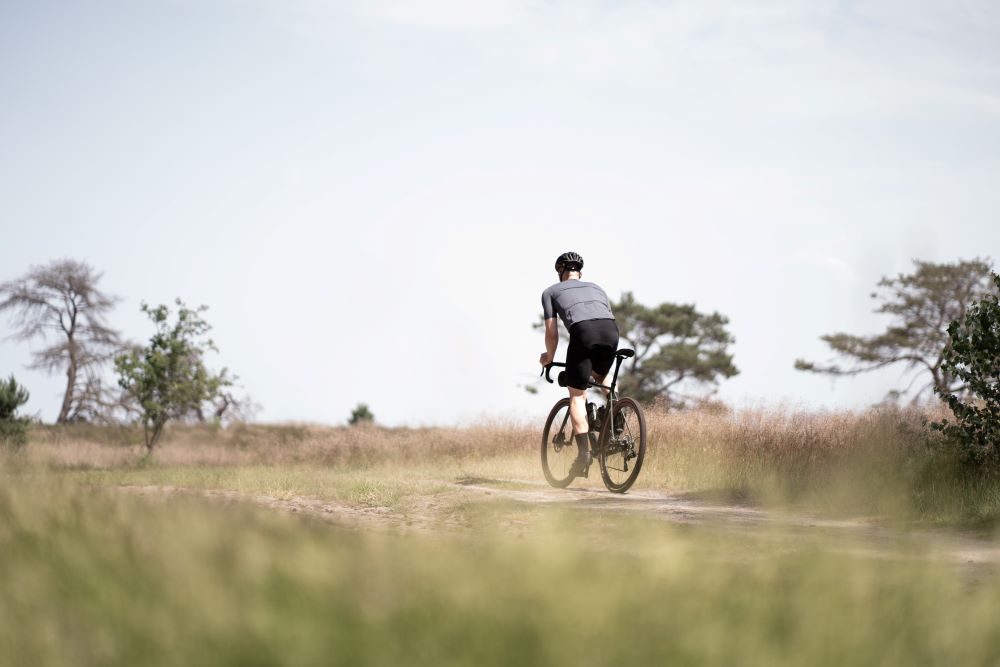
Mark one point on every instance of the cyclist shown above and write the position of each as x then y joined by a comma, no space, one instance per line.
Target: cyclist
593,340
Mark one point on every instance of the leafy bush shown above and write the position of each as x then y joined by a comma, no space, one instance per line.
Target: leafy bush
12,428
973,356
361,415
168,378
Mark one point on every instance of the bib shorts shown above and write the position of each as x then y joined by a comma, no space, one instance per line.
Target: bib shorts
592,347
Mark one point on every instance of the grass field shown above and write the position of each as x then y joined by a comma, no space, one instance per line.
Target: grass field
881,464
418,547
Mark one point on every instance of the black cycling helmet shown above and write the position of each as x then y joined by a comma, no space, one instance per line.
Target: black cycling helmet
569,261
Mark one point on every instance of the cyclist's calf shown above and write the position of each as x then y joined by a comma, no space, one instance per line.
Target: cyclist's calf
578,410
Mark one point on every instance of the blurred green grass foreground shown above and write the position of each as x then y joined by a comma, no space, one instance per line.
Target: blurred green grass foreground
93,574
92,578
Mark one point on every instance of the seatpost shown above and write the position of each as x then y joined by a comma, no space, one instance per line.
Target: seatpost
618,365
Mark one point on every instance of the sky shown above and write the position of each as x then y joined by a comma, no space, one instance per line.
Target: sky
369,196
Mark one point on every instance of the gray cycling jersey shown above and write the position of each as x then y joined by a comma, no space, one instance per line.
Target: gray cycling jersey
576,301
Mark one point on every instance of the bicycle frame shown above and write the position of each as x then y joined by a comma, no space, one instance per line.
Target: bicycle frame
612,389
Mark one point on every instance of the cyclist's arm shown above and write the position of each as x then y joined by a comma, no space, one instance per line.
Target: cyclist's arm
551,337
551,328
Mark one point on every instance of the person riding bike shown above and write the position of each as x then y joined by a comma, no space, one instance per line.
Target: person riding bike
585,310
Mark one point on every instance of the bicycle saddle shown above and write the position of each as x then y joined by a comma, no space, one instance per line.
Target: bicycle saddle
625,353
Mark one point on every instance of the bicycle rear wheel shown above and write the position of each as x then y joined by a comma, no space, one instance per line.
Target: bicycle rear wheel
623,446
558,447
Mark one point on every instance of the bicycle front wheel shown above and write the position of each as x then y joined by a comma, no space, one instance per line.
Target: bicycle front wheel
558,447
623,446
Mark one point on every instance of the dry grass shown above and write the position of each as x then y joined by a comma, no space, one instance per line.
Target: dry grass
87,446
882,462
786,443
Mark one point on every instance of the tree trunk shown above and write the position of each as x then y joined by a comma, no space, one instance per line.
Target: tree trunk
151,438
220,409
67,403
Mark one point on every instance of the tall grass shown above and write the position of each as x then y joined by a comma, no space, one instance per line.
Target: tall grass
879,463
89,578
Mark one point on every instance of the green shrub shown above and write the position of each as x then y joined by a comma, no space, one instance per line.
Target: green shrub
973,356
13,429
168,378
361,415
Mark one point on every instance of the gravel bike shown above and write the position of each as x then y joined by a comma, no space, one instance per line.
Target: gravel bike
620,427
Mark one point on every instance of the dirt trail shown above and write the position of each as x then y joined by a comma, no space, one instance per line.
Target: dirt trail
853,535
430,514
368,518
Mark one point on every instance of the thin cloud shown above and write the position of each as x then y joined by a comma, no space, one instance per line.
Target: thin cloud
448,14
794,58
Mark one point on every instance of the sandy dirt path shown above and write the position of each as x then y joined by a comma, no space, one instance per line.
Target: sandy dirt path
424,518
855,536
429,514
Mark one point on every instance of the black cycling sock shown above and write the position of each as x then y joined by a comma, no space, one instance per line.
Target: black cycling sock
583,443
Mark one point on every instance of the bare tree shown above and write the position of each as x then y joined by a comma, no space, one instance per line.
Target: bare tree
61,304
922,304
226,407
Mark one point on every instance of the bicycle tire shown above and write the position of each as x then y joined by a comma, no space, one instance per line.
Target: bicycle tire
617,451
557,455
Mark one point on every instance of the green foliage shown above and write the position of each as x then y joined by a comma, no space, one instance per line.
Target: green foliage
12,428
168,378
12,396
361,415
973,357
922,304
675,347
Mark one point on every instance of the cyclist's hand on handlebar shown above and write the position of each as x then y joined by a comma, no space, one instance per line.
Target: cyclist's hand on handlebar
543,359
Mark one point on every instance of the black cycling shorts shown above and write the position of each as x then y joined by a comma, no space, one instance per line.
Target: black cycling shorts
592,347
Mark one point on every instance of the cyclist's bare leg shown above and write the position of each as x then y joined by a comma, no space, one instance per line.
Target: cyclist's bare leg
578,410
578,404
578,415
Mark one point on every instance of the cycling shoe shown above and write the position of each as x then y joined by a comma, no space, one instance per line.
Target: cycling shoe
581,466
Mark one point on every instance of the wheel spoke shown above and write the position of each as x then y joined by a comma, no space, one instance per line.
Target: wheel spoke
558,446
624,446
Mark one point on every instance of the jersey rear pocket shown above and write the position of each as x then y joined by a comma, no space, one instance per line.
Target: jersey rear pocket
588,310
